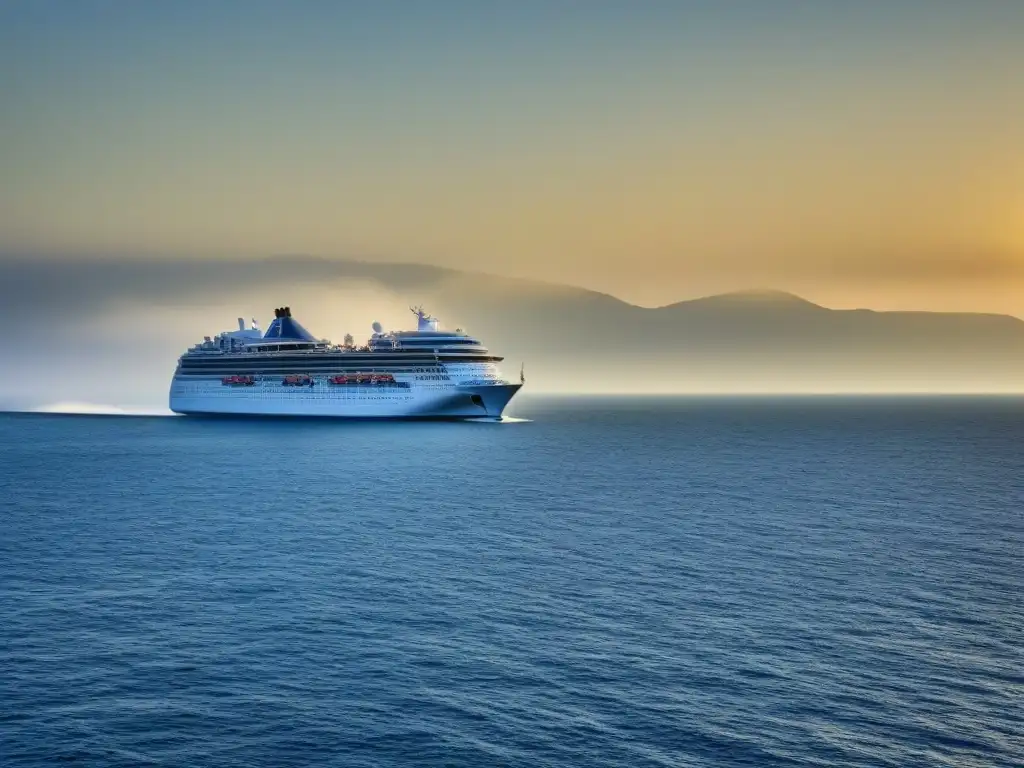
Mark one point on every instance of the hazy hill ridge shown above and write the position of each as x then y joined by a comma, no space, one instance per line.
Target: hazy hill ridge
569,338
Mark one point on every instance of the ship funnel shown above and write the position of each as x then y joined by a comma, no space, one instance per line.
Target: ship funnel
241,323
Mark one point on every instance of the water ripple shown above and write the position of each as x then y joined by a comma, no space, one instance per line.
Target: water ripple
791,583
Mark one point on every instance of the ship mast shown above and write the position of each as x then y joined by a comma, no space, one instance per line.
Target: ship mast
425,321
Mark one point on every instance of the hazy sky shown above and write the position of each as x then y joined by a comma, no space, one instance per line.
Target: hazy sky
867,154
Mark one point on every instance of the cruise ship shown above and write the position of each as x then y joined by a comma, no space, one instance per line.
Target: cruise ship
286,371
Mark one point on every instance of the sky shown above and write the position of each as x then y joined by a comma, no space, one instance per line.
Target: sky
861,154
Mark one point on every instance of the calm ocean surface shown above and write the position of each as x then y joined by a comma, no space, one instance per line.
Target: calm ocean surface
659,582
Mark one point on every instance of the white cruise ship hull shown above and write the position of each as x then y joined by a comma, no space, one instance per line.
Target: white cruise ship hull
209,397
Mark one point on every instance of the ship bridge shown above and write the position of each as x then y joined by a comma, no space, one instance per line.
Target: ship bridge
428,337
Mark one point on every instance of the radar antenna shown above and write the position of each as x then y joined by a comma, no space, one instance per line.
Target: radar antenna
426,322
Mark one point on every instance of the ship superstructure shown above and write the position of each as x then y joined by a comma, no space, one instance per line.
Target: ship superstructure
286,371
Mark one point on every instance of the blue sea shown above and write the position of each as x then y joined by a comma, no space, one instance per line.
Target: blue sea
602,582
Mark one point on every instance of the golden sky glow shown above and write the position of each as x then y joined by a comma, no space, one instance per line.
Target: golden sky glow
862,157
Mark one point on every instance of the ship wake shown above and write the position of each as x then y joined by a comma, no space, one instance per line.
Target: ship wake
98,409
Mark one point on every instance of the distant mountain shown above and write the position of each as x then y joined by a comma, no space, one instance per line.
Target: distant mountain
119,326
749,341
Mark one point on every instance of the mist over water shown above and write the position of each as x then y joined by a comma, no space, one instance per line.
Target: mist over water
611,582
108,332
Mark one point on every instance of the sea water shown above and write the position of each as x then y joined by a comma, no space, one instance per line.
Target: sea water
619,582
